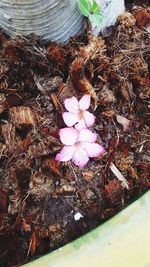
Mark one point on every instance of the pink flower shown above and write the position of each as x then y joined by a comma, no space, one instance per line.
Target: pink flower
78,146
77,112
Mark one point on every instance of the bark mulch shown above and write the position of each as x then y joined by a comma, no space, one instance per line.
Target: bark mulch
40,197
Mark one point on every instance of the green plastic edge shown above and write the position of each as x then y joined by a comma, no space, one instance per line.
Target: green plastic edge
122,241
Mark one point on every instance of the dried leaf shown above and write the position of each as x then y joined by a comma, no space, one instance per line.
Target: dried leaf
125,122
119,175
22,115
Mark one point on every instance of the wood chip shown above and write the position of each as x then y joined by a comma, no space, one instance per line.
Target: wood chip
56,55
32,244
109,114
114,193
80,80
3,105
88,175
3,150
53,165
22,115
11,139
66,188
54,228
56,103
142,17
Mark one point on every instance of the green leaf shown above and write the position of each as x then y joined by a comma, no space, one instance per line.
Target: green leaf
84,7
95,8
96,19
91,7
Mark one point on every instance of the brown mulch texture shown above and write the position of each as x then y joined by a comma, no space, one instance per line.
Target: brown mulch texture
39,196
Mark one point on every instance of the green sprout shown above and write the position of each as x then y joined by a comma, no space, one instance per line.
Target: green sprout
91,10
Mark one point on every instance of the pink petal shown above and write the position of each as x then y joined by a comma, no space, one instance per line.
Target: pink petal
68,136
84,102
65,154
86,135
80,157
72,104
89,118
70,119
80,125
93,149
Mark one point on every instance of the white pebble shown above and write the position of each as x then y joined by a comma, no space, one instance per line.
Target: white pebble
78,216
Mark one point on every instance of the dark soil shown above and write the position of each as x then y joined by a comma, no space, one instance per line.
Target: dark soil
38,196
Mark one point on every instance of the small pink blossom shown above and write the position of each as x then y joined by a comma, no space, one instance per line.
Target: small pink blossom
79,146
77,112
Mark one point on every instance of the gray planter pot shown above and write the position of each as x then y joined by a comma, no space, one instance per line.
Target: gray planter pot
55,20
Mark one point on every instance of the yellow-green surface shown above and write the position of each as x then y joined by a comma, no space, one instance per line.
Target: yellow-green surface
123,241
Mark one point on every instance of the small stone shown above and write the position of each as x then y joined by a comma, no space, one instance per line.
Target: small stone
78,216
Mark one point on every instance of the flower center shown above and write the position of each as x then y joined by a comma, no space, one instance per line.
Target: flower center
80,114
77,144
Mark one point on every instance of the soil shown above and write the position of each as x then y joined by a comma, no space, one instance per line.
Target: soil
40,197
